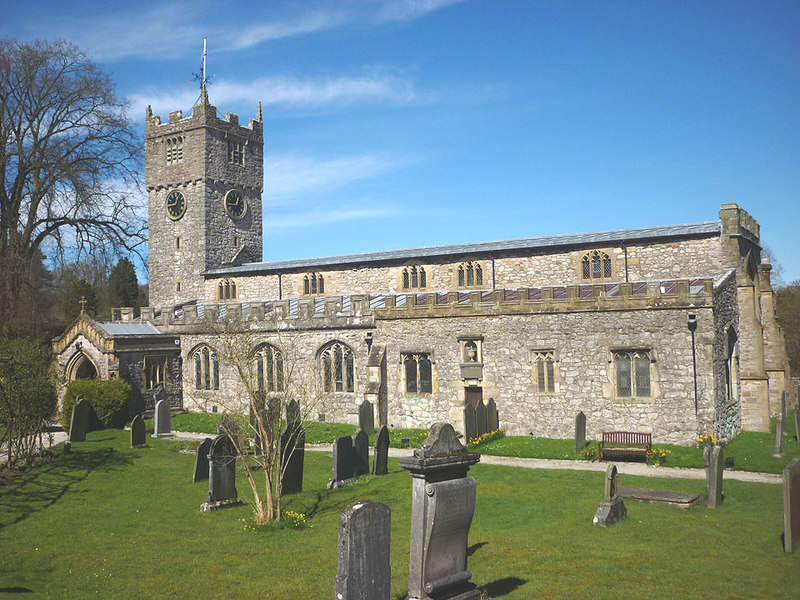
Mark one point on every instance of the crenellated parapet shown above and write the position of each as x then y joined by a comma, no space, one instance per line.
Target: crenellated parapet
362,310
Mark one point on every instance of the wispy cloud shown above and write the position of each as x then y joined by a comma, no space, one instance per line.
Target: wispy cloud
151,32
289,91
289,177
314,218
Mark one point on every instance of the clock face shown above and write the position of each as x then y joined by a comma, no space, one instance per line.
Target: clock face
235,204
176,205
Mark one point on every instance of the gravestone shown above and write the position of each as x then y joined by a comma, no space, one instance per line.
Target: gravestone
493,418
229,427
293,413
481,421
443,504
360,453
162,426
380,462
580,431
470,422
779,428
366,417
791,506
714,477
293,444
138,439
342,461
221,475
797,421
79,424
201,461
364,572
612,508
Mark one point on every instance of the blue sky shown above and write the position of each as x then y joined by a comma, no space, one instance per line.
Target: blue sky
392,124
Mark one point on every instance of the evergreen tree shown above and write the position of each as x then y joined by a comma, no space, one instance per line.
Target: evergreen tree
124,286
78,291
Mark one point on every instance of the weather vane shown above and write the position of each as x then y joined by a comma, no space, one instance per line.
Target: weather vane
202,76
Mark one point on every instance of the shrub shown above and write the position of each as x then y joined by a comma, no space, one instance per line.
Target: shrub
27,395
657,456
109,400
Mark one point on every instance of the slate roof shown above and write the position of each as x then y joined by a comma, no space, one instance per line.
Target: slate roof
115,328
644,234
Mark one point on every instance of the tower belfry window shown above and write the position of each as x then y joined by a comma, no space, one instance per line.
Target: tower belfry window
235,152
175,150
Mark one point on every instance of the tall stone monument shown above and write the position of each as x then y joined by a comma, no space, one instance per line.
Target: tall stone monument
791,506
714,477
443,504
580,431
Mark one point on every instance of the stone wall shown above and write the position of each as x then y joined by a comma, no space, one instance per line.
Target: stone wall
728,419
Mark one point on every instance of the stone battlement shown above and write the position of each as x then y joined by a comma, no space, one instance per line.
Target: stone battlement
362,310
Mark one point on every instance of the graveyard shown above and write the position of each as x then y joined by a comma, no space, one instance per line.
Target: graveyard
109,520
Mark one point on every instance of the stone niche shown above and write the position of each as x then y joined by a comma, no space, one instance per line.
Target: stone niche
471,357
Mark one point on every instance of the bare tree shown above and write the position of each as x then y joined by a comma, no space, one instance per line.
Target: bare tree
69,163
269,376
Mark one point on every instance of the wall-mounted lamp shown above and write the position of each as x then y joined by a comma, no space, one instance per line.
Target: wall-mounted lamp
368,339
691,322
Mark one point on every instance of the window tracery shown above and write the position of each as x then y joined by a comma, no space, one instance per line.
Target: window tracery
336,368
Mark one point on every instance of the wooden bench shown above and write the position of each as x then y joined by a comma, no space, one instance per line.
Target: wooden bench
625,443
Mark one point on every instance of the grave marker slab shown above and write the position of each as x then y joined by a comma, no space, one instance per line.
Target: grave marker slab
779,428
201,461
342,461
791,506
221,475
162,427
79,424
470,422
360,453
364,572
366,417
293,443
443,504
138,439
580,431
380,462
714,480
481,419
492,416
612,508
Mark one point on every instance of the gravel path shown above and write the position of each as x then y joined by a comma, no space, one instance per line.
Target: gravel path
625,468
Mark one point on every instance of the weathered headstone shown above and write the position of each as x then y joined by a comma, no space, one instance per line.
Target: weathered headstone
162,425
366,417
364,572
380,462
470,422
779,428
797,422
443,504
580,431
612,508
293,413
360,453
201,461
493,420
481,421
79,424
342,461
791,506
293,444
714,477
221,475
138,439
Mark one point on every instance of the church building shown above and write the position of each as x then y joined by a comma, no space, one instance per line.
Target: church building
669,330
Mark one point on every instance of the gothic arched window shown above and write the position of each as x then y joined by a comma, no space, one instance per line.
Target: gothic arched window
633,373
470,274
596,265
226,289
206,368
336,368
313,283
269,369
419,373
414,277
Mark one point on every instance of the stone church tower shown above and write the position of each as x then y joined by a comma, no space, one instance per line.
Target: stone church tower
204,177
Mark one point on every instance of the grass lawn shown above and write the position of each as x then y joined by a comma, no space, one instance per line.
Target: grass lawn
112,522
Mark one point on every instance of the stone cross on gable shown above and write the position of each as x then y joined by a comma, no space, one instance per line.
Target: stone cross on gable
83,305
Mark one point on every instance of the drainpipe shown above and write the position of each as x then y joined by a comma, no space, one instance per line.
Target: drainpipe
625,250
280,286
494,285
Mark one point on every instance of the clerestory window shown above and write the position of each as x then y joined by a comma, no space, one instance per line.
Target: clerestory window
470,274
414,277
596,265
226,289
313,283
